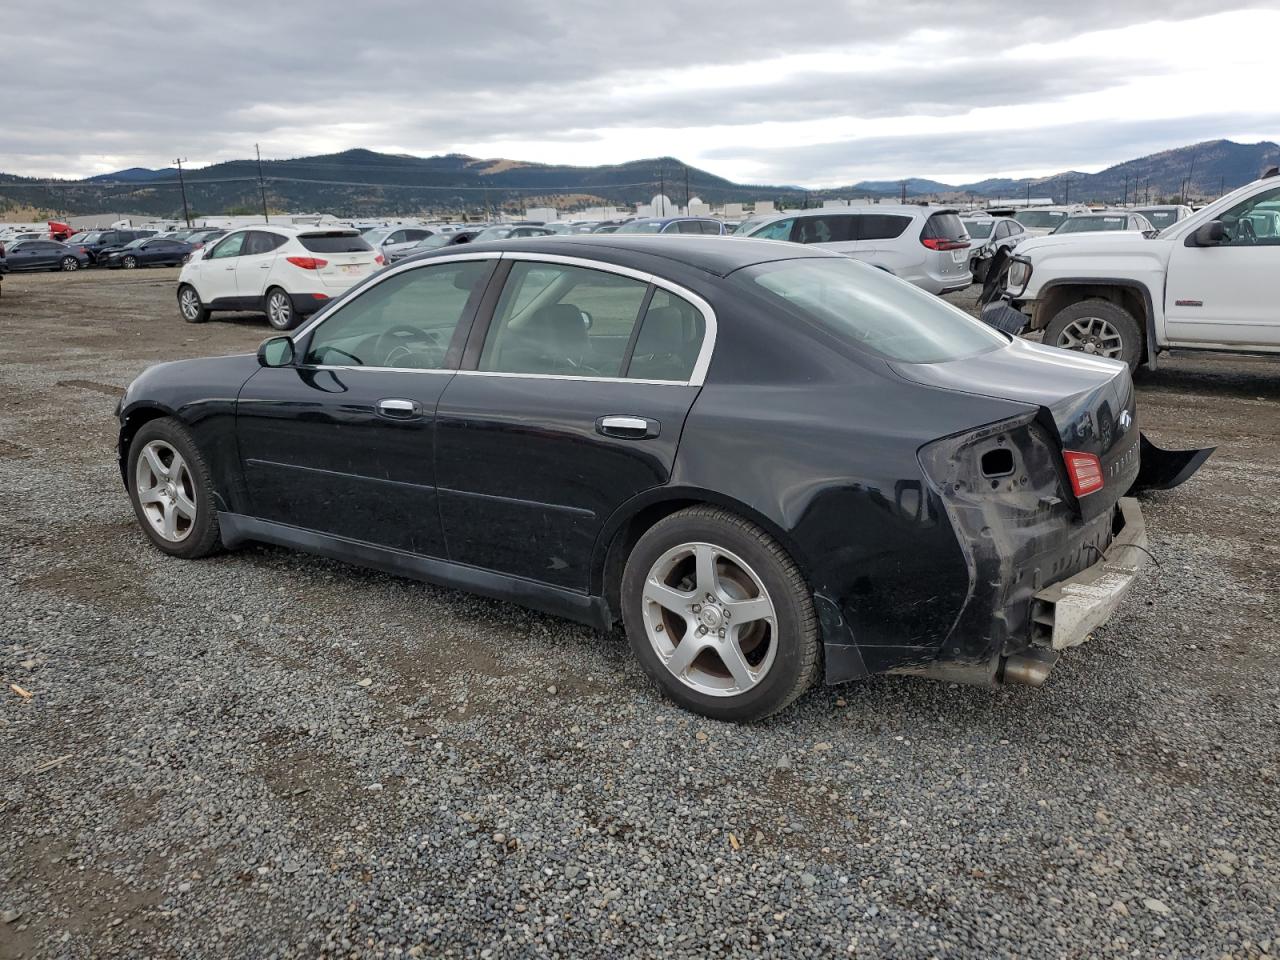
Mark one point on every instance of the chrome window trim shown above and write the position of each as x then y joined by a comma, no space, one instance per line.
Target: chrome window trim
696,379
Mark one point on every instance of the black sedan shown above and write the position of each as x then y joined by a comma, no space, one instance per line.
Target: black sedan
770,463
146,252
42,255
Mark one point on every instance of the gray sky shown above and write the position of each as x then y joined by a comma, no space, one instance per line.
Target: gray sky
813,93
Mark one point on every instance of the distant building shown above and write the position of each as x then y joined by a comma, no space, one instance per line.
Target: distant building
764,206
733,211
545,214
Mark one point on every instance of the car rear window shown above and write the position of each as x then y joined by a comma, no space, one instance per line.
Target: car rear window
871,310
943,226
979,229
345,242
1092,224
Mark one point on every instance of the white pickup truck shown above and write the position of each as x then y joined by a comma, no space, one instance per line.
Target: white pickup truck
1208,282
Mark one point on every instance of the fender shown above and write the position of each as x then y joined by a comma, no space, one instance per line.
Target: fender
1133,285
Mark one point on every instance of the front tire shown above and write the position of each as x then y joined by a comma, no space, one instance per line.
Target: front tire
172,490
189,305
1099,328
278,307
129,263
719,616
69,265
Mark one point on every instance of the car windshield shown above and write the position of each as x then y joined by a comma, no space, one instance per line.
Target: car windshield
872,310
747,227
137,243
641,226
1039,219
1161,218
979,229
435,241
1094,224
493,233
90,237
79,238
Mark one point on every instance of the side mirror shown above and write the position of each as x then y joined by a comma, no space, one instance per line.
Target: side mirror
275,352
1211,234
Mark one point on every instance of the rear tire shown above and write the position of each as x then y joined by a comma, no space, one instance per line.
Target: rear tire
278,307
129,262
189,305
69,265
172,490
1099,328
707,577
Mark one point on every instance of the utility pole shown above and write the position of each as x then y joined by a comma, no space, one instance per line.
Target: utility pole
686,190
1126,190
662,190
1028,194
1066,191
262,188
904,191
182,184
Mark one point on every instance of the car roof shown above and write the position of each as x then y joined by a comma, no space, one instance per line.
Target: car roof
718,256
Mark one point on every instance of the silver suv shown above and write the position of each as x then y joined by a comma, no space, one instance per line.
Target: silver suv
926,246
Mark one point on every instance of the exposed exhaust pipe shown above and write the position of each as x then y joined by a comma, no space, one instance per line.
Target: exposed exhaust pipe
1030,668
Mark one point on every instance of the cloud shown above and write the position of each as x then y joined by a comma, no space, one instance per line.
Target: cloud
573,81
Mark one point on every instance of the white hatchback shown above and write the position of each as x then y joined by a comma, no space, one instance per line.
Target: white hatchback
286,272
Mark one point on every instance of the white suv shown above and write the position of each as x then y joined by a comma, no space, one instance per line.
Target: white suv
286,272
926,246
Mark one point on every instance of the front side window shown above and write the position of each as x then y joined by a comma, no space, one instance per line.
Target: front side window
406,321
1255,221
230,247
778,230
562,320
870,310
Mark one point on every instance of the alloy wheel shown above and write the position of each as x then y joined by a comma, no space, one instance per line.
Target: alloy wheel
166,491
70,263
279,311
710,619
129,262
1092,335
189,303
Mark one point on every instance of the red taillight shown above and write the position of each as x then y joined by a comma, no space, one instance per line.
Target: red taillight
307,263
1085,470
936,243
379,259
319,296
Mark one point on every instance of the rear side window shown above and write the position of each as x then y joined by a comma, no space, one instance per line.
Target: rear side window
870,310
669,341
335,243
688,226
881,226
259,241
824,229
943,226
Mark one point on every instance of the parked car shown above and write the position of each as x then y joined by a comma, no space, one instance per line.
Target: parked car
42,255
926,246
287,272
1042,221
699,226
1165,215
609,226
1204,283
513,231
435,242
147,252
907,463
1101,221
394,239
987,236
200,238
93,242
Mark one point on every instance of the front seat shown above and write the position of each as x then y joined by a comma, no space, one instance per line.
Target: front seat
554,340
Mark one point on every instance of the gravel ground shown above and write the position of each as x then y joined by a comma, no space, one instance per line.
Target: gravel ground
265,754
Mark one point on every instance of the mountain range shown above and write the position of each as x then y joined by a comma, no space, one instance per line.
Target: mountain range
367,184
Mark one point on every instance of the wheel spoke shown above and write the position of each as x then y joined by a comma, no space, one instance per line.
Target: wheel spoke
184,505
705,564
731,655
745,611
150,495
158,469
685,653
170,526
666,597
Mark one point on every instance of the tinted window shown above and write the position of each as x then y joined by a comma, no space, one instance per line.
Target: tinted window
981,229
687,226
335,243
711,227
228,247
669,340
943,226
259,241
828,228
554,319
778,230
407,320
881,226
870,309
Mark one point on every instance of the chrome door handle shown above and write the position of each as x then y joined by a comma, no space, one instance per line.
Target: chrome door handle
628,428
400,409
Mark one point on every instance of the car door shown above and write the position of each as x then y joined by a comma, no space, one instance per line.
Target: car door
1227,293
215,272
26,255
342,442
253,266
571,401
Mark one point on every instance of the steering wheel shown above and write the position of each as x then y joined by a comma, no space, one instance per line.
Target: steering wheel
403,334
